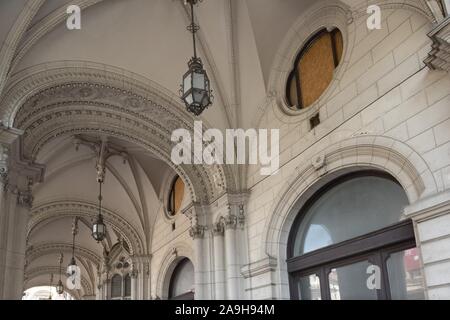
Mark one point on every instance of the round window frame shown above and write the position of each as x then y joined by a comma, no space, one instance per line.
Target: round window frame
308,24
310,41
171,180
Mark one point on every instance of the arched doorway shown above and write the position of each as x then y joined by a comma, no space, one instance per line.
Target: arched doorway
349,242
181,285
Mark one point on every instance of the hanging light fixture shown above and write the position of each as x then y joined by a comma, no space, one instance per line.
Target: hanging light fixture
60,286
196,91
72,267
99,227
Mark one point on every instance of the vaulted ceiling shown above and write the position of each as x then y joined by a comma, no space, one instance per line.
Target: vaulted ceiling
238,42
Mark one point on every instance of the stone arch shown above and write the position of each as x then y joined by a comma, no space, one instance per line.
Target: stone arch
42,249
169,262
46,212
353,154
64,98
32,283
86,285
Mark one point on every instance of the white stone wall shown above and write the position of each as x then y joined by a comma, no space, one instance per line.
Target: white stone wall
384,90
164,241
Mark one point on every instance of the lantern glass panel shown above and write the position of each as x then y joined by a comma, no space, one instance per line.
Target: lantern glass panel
198,96
205,101
187,83
189,99
199,80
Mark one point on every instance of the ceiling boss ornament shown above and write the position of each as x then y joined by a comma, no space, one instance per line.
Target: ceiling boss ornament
196,90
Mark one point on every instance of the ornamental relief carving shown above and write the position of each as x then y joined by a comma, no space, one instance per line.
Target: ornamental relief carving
37,121
42,102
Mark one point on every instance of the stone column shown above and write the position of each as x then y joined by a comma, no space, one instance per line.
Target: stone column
16,179
231,254
219,264
107,289
3,217
197,234
19,213
142,282
431,217
134,285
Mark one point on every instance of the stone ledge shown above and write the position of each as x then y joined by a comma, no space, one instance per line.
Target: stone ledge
429,207
263,266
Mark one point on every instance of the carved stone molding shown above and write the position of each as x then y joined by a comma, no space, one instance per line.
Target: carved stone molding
230,221
25,199
63,100
197,231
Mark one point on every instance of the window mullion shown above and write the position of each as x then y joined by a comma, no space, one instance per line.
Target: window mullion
324,283
385,275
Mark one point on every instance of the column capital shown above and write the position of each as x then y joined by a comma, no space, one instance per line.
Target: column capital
25,198
218,229
236,207
197,231
230,221
7,138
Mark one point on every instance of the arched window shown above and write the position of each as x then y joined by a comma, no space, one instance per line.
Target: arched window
181,285
314,68
349,242
116,287
176,195
121,287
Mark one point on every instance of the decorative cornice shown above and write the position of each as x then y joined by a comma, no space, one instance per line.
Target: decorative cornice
439,56
429,207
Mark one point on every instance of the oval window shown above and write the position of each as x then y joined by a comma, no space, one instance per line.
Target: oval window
176,196
314,68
